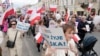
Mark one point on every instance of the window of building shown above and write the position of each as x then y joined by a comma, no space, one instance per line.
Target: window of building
94,0
72,2
81,13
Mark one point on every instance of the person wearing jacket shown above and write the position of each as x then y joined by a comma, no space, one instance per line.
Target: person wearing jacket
17,50
82,28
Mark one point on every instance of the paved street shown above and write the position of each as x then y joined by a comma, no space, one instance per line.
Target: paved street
29,47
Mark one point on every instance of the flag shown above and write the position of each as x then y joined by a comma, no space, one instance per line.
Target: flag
53,8
34,16
8,12
29,11
38,38
41,9
90,6
76,38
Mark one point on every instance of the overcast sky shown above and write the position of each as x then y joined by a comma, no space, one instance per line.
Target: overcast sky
19,3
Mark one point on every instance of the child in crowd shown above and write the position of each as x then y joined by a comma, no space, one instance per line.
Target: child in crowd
71,50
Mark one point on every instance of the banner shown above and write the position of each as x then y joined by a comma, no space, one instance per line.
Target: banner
23,26
55,37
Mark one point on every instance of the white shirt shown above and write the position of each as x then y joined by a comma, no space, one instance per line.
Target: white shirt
58,16
52,24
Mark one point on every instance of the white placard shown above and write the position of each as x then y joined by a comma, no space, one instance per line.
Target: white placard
87,28
89,22
55,37
22,26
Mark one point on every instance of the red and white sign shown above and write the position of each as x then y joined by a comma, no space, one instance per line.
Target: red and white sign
38,38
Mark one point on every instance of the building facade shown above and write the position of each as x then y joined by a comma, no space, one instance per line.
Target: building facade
72,5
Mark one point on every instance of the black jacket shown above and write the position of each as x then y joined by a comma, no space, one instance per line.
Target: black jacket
80,26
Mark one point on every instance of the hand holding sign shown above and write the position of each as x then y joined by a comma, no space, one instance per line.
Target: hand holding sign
87,28
23,26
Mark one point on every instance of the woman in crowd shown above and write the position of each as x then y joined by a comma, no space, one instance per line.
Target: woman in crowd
39,27
73,22
17,50
91,18
71,50
82,28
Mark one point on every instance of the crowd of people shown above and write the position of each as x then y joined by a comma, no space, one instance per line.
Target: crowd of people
76,24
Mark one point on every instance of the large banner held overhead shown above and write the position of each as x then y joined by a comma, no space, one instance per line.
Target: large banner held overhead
55,37
23,26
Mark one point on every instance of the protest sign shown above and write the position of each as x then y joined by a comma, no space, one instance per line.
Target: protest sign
22,26
55,37
87,28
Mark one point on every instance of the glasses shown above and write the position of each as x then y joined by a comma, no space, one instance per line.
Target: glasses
13,24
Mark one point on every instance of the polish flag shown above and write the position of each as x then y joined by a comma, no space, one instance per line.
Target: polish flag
38,38
53,8
90,6
8,12
29,11
40,9
76,38
34,17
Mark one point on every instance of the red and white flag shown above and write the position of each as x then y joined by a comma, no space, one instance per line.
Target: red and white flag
8,12
40,9
53,8
76,38
38,38
90,6
34,17
29,11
